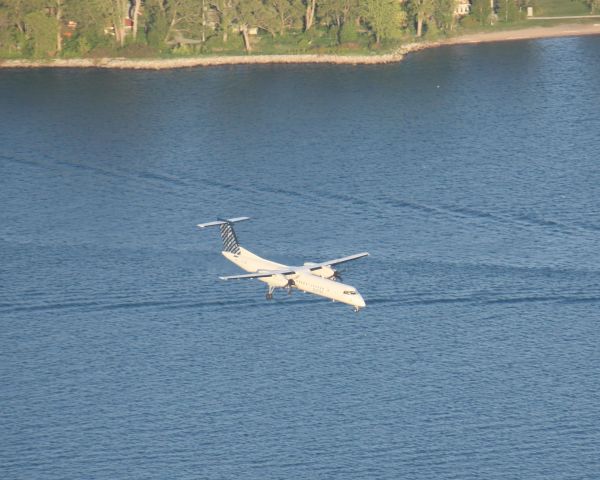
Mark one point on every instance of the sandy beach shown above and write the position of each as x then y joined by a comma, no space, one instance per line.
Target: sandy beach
565,30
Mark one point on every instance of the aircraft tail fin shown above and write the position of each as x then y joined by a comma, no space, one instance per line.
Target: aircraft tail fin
230,241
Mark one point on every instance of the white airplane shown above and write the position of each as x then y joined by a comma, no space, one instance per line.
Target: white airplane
317,278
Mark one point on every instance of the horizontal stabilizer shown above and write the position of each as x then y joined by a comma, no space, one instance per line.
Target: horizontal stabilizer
223,222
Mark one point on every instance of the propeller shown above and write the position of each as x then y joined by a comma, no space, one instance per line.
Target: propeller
337,276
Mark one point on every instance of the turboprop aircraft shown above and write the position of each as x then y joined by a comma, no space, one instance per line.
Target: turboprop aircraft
317,278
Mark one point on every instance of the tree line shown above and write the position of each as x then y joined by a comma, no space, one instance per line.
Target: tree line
49,28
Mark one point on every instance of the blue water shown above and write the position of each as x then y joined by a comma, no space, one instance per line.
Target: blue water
470,174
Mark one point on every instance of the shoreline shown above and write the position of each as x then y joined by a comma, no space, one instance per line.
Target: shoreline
564,30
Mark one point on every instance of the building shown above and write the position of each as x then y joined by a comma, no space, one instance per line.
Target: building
463,7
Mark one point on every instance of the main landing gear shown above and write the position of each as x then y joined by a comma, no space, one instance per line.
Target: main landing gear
288,287
270,293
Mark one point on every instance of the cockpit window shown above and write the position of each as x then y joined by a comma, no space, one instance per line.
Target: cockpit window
349,292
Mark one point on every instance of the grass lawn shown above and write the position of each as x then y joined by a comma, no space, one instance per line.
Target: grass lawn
555,8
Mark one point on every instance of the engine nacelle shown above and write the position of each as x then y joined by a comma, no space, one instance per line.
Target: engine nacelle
323,272
278,281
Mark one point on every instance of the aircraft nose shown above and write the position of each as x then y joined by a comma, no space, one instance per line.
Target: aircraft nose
359,301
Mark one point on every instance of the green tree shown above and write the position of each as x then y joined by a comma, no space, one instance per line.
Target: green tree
309,13
338,12
42,30
286,13
443,13
265,17
5,40
246,13
91,21
422,11
34,24
157,26
14,14
594,5
109,14
117,11
226,12
182,19
384,17
136,11
508,10
481,10
254,14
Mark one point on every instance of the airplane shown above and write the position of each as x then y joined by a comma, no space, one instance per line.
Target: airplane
317,278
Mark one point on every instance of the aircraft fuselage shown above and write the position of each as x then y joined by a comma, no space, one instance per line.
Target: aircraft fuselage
302,279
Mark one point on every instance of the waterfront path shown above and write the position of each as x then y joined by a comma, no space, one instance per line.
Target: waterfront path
570,17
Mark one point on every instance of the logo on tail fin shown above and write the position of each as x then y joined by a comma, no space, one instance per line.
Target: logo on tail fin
230,241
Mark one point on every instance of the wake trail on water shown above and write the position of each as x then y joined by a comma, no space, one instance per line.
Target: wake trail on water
157,300
144,180
252,298
483,300
388,206
179,186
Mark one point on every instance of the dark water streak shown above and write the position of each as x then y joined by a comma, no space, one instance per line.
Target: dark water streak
471,175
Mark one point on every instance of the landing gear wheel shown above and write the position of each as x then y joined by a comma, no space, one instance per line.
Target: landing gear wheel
269,296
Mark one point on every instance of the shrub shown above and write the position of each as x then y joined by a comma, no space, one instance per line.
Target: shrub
469,22
348,33
84,45
137,50
431,30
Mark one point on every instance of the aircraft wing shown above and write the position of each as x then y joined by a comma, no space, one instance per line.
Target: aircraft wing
260,274
289,271
337,261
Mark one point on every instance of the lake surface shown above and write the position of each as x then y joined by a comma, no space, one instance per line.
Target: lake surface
471,175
